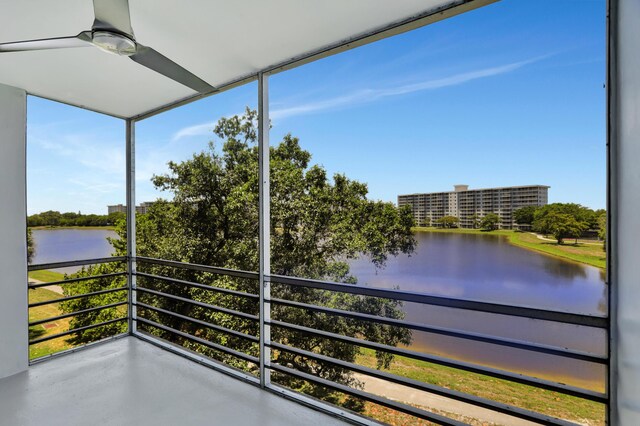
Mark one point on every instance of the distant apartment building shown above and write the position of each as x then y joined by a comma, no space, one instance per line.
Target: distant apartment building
118,208
121,208
469,205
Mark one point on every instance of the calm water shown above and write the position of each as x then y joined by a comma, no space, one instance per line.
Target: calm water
479,267
488,268
60,245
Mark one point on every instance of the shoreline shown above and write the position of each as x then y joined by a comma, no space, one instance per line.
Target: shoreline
47,227
538,245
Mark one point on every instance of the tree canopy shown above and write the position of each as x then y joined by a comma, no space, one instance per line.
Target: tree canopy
448,221
55,218
490,222
525,215
318,224
561,226
564,220
31,246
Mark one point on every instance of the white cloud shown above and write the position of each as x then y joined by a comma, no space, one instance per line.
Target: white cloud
370,95
85,149
195,130
103,188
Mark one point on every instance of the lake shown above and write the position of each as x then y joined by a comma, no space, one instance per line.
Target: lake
487,268
61,245
478,267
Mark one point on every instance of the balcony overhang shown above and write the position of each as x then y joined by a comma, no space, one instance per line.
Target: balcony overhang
224,43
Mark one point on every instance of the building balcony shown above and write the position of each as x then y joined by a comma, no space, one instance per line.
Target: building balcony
167,354
128,381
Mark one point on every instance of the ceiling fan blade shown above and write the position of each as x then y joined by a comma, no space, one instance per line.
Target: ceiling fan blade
161,64
112,15
81,40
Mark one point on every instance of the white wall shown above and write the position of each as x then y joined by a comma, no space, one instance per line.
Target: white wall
13,265
626,209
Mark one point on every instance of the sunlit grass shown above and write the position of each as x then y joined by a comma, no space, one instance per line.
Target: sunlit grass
539,400
46,276
47,329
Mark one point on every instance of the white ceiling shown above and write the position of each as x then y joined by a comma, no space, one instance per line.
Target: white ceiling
220,41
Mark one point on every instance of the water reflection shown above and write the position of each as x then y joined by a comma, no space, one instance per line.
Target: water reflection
488,268
65,244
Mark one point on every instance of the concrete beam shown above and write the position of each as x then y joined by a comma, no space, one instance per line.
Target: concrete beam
14,356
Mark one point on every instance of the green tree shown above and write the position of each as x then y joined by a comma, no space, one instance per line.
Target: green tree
561,226
31,246
317,224
448,221
490,222
602,228
475,221
525,215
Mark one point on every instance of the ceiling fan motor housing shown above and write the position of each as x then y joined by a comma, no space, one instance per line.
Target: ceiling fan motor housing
113,42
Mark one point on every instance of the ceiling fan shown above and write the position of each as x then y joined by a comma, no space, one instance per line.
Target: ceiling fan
112,32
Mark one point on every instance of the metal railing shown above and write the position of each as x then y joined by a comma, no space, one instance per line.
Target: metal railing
162,289
71,297
164,298
429,300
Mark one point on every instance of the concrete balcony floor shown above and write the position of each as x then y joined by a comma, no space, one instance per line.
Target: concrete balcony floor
130,382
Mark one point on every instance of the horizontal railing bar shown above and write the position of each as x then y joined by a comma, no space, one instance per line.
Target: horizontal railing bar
56,265
461,365
201,341
427,387
407,409
73,314
197,321
195,302
513,343
201,268
78,296
73,280
75,330
427,299
198,285
75,349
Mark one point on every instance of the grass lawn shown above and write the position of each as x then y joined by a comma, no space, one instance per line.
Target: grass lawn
46,276
587,253
539,400
46,311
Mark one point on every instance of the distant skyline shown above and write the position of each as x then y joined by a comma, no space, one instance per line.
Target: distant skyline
506,95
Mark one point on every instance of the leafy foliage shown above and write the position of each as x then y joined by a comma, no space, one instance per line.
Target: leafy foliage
561,226
490,222
31,246
475,221
602,228
54,218
448,221
317,224
525,215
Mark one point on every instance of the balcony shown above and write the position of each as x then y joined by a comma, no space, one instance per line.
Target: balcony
165,354
129,381
164,313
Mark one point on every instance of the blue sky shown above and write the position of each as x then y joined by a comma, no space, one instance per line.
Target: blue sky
511,94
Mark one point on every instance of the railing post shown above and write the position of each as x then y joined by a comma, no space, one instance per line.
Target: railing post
264,240
131,221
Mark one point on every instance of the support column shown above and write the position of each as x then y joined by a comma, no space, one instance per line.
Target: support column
14,350
265,227
131,220
624,174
